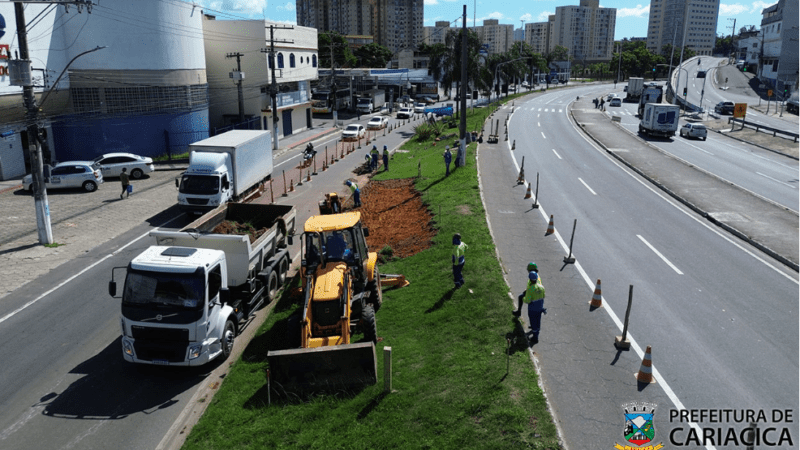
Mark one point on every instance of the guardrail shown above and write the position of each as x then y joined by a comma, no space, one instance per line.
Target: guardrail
758,127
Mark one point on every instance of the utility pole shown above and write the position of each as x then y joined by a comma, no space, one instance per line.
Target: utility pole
683,44
733,30
273,88
462,151
238,76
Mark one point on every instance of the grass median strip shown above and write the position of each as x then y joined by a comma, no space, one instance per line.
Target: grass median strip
451,386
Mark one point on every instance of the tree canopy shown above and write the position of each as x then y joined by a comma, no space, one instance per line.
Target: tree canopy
373,55
342,56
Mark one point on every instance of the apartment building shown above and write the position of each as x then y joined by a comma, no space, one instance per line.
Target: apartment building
586,30
436,34
497,38
779,56
537,35
347,17
667,19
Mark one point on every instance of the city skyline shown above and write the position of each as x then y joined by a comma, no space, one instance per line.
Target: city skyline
632,19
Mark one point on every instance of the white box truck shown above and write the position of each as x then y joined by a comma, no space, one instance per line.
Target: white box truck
224,168
659,119
185,298
650,94
371,100
635,87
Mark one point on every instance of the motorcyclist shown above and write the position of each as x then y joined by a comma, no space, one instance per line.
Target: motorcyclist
309,152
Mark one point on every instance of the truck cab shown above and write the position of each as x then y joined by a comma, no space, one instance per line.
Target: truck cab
206,183
175,307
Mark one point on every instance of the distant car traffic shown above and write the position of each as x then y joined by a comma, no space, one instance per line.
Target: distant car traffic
404,113
378,122
354,132
419,108
694,130
427,100
724,108
610,96
69,174
111,164
616,101
701,74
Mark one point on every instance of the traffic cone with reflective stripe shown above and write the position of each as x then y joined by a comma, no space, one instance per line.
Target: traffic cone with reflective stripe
597,298
529,194
645,374
550,228
291,186
308,175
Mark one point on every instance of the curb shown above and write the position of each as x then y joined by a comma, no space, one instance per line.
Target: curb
11,188
756,145
690,205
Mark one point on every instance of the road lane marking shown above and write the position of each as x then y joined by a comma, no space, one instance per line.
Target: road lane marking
544,135
587,186
704,151
32,302
559,156
538,124
659,255
773,179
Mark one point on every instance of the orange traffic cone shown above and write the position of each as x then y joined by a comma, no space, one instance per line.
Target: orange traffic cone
291,186
645,374
324,165
521,176
333,160
597,299
308,175
550,228
529,194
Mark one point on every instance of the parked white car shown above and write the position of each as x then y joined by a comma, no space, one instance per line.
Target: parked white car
111,164
694,130
419,108
69,174
354,132
378,122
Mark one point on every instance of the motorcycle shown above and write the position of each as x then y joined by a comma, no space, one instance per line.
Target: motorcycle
309,152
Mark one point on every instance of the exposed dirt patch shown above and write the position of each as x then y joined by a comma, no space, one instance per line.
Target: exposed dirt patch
396,216
232,227
464,210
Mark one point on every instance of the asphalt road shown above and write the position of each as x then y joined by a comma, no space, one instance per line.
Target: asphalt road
770,175
724,316
65,384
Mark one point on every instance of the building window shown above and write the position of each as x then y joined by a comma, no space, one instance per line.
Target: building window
280,60
313,60
291,59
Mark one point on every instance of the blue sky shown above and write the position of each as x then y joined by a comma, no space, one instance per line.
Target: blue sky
632,15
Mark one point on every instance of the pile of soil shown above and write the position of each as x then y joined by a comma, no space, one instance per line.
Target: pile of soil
233,227
396,216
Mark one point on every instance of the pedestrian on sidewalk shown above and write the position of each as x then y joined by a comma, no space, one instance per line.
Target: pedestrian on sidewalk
602,104
385,158
534,297
374,153
458,260
595,103
123,178
448,157
532,267
356,193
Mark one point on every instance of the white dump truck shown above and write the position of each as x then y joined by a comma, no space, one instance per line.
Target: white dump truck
224,168
185,298
659,119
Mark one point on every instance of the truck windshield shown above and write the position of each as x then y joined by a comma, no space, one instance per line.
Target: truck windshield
363,101
199,184
176,290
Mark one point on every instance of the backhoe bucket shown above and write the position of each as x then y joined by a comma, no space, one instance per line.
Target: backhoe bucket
397,280
345,366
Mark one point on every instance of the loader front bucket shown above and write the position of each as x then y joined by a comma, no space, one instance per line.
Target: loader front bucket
336,367
397,280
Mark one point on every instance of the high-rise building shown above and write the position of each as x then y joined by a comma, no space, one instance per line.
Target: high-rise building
667,19
497,37
395,24
537,35
435,35
586,30
779,54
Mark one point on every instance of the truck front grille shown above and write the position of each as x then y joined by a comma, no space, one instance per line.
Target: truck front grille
163,344
196,201
160,334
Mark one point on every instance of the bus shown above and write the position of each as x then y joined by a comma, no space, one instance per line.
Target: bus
324,102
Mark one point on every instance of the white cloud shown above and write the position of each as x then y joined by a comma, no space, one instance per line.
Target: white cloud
289,6
638,11
542,17
430,2
526,17
253,6
732,10
759,5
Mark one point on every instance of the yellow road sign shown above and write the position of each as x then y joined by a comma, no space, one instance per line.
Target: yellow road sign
739,110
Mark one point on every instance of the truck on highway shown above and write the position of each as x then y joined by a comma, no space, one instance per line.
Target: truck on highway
659,119
650,94
224,168
635,87
186,298
371,100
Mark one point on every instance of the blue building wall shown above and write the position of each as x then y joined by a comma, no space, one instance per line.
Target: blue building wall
79,137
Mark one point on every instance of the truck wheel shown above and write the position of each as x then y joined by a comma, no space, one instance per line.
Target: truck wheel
375,292
272,286
368,323
228,338
283,269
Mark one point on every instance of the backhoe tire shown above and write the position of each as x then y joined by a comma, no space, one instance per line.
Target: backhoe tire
228,339
375,291
368,323
272,286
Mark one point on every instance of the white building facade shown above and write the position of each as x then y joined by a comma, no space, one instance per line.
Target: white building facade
667,19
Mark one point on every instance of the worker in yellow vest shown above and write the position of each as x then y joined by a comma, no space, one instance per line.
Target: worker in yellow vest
458,260
385,158
374,153
534,297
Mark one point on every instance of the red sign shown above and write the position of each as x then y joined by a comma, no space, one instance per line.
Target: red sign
5,53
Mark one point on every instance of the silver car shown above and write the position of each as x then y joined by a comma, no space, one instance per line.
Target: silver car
69,174
111,164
